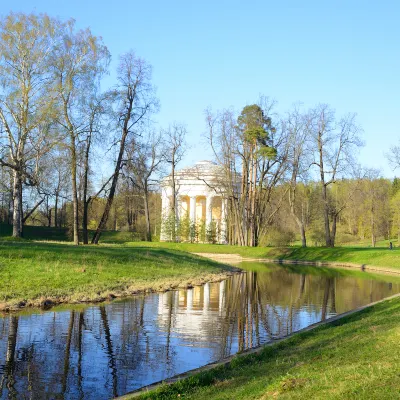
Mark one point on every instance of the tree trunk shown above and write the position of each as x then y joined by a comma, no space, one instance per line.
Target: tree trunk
333,233
113,188
56,211
173,204
326,217
85,231
85,188
73,160
299,222
74,193
147,214
303,236
17,204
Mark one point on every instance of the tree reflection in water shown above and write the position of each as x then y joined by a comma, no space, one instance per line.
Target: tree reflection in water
104,351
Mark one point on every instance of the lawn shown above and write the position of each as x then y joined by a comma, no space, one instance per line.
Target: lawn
378,256
31,272
357,356
34,269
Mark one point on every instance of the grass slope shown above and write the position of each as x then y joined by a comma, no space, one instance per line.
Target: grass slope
359,255
355,357
33,271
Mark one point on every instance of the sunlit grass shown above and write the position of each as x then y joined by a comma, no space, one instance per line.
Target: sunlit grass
34,270
355,357
378,256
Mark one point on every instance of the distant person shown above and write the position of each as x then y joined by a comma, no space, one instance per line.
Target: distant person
390,246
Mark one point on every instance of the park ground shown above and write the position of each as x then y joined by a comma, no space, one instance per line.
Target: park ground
356,357
45,269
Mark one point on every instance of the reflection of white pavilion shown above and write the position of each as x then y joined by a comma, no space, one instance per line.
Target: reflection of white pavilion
200,196
192,309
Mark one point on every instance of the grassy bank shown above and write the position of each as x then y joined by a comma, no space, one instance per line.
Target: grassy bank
31,272
355,357
379,256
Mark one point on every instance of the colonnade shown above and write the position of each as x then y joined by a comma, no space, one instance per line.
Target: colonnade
199,208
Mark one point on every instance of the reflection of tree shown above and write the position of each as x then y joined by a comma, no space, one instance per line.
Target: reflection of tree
112,364
67,352
10,358
169,325
329,285
80,376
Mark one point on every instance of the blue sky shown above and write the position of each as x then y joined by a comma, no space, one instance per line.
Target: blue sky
227,53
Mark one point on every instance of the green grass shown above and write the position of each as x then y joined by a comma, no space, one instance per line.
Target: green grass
356,357
359,255
31,271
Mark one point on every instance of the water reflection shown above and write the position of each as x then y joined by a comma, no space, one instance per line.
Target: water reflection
105,351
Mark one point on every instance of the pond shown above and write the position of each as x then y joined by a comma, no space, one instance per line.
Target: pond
102,351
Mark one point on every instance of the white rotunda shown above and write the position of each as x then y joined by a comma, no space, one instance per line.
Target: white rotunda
200,197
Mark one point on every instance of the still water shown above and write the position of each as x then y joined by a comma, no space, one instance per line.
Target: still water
99,352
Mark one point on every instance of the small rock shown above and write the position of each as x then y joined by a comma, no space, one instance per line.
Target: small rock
46,304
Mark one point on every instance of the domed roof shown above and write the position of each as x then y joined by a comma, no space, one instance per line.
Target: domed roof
203,167
201,170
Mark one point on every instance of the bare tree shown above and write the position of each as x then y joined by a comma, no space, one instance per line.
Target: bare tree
26,103
176,146
96,108
136,98
78,63
144,160
252,155
333,144
297,126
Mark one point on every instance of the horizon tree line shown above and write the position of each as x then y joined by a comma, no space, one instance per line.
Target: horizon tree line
75,155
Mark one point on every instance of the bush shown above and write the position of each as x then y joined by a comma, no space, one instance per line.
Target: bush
277,238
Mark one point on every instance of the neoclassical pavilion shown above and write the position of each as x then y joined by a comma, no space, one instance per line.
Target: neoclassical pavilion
199,196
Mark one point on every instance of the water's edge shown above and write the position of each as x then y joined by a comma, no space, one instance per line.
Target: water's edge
236,258
168,285
226,361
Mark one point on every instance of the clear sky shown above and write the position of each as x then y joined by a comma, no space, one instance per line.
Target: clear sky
226,53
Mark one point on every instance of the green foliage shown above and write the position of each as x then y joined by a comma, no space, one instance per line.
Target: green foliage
256,130
395,186
170,227
212,232
201,229
277,237
183,231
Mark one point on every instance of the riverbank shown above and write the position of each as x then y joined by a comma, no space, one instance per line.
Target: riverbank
38,274
356,356
379,257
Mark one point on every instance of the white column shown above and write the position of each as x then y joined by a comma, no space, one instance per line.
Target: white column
221,300
192,209
178,210
208,211
166,210
189,300
206,297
